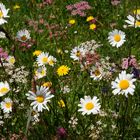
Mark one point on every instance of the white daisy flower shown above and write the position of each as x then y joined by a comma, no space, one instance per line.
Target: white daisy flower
40,98
40,72
6,105
11,60
77,53
3,14
133,21
43,59
116,38
23,35
124,84
89,105
51,60
4,88
96,73
2,35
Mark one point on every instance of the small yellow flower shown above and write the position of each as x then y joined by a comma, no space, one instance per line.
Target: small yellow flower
63,70
37,52
89,18
59,51
72,21
137,11
47,84
92,26
61,103
16,7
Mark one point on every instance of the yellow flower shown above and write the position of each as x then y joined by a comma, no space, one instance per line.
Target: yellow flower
59,51
47,84
89,18
72,21
63,70
137,11
37,52
92,26
16,7
61,103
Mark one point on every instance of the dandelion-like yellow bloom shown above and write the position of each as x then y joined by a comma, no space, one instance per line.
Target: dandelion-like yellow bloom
47,84
89,18
37,52
137,11
92,27
72,21
16,7
61,103
63,70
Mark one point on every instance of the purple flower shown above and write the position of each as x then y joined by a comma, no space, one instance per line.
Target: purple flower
61,132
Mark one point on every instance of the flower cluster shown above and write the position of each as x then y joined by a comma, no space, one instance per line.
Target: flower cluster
79,8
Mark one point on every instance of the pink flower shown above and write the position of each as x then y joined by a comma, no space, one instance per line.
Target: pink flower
79,8
115,2
48,1
69,7
61,132
125,63
129,62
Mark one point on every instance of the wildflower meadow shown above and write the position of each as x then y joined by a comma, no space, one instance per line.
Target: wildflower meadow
69,70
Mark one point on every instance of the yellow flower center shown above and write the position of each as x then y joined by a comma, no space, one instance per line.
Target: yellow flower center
8,105
89,106
42,72
124,84
1,14
137,23
117,37
45,60
97,73
78,53
51,62
4,90
40,99
23,38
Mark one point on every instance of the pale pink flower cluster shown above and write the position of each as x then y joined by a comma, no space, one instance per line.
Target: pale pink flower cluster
48,2
129,62
79,8
3,54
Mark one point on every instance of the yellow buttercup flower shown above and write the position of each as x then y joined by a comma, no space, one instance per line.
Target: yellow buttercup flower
92,27
16,7
47,84
61,103
63,70
137,11
89,18
37,52
72,21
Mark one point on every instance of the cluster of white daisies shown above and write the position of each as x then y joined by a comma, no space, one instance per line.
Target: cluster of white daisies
6,104
42,60
124,83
